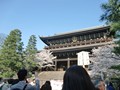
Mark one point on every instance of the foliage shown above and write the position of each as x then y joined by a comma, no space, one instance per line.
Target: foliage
30,52
115,26
2,38
117,44
111,15
45,58
117,48
111,11
116,67
103,59
11,57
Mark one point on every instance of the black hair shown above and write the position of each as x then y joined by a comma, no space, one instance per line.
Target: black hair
77,78
46,86
16,89
97,89
48,82
110,83
13,81
1,78
22,74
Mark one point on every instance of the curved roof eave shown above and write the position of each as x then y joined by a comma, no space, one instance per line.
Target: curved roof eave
44,40
73,32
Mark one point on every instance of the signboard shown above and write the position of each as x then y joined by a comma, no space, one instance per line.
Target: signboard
83,58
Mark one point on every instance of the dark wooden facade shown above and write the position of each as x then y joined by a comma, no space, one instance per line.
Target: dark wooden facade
66,46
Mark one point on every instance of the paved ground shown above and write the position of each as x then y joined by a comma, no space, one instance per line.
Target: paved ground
50,75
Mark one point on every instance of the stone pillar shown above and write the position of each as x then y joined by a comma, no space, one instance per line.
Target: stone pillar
68,63
55,65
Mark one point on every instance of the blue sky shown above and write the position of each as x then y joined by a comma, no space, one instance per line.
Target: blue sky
48,17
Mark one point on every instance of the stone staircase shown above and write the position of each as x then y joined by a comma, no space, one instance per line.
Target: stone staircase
50,75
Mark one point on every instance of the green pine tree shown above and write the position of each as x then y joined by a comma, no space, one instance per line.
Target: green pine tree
11,58
111,11
30,52
111,15
2,38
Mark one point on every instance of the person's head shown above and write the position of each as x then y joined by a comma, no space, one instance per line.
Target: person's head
48,82
110,84
1,78
22,74
100,84
77,78
46,86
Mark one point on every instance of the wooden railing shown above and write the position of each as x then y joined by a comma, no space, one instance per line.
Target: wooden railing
79,43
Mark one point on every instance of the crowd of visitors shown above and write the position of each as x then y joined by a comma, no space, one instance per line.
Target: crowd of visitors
21,83
75,78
